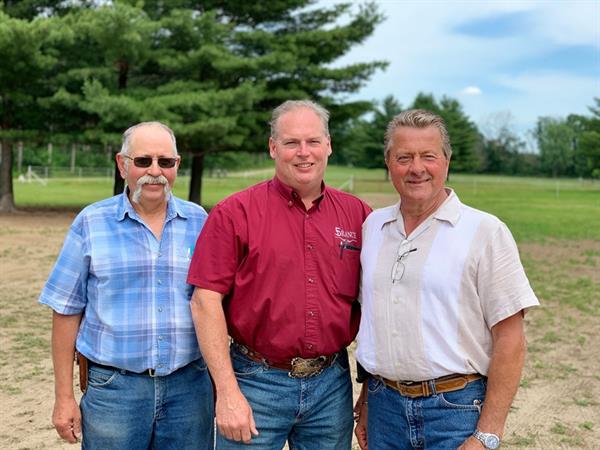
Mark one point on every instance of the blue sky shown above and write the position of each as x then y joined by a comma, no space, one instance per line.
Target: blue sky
504,60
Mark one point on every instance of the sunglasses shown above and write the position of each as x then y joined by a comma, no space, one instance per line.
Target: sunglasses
144,162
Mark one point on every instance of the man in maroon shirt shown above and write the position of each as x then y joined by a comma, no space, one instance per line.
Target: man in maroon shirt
276,268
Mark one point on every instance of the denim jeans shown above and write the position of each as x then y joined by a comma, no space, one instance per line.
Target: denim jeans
441,421
129,411
308,413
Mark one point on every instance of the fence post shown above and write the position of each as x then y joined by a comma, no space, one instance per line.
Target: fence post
49,153
20,156
73,157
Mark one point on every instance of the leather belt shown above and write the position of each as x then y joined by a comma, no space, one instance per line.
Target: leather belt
149,372
296,367
448,383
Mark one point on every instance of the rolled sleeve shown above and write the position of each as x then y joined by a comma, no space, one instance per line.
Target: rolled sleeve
65,290
503,286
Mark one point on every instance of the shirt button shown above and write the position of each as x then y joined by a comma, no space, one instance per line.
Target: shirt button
309,346
160,338
311,313
310,280
290,203
309,246
159,281
307,217
160,366
159,309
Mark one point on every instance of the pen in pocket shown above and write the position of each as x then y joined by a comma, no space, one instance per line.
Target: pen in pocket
344,245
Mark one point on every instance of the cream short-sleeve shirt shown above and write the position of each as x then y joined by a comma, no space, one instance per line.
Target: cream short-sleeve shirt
459,274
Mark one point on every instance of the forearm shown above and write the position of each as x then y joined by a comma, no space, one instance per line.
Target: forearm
504,374
64,334
233,413
211,331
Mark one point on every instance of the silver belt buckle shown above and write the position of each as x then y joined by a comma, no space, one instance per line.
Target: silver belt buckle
306,368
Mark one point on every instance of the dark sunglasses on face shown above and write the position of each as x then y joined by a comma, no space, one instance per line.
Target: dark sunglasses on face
144,162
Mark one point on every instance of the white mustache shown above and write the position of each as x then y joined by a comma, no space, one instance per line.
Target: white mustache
149,179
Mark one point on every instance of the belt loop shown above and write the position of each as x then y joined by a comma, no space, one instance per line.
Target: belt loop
433,389
152,372
425,388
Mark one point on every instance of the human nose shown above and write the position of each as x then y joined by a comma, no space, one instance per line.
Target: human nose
302,149
154,168
417,165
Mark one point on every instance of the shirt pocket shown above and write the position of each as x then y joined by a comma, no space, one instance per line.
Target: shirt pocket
346,268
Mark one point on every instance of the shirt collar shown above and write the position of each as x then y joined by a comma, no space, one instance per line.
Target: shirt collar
448,211
124,207
290,194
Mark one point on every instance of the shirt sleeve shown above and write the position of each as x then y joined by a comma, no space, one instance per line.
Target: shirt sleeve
218,252
502,284
66,289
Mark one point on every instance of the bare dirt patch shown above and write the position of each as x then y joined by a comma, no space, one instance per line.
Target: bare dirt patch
557,407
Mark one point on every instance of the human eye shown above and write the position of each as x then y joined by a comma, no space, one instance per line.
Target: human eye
430,157
290,143
403,159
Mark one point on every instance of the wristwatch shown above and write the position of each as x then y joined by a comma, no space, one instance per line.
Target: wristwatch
489,440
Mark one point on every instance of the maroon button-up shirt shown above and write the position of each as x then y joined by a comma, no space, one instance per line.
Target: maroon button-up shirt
289,276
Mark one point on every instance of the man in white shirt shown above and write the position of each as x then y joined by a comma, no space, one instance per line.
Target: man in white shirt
443,298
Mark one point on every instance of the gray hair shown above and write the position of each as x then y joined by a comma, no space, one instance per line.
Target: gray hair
417,118
291,105
125,147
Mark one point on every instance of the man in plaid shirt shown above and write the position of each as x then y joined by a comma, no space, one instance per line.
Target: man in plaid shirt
119,296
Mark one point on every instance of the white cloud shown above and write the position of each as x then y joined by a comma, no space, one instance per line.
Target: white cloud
573,23
426,54
471,90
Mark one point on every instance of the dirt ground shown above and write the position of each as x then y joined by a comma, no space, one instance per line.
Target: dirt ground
558,405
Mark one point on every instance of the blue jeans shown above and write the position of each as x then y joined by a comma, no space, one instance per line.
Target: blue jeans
129,411
441,421
309,413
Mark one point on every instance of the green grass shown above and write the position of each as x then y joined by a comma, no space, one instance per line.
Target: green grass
535,209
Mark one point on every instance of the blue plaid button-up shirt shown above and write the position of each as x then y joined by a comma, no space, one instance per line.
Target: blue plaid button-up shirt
130,287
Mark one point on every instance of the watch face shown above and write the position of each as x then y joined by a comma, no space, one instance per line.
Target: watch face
492,441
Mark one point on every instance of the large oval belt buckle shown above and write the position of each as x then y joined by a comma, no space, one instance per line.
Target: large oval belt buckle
305,368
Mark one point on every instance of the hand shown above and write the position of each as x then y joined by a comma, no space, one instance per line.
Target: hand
471,444
234,417
66,418
360,430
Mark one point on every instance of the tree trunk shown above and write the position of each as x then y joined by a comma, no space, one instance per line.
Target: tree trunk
195,194
123,74
119,183
7,201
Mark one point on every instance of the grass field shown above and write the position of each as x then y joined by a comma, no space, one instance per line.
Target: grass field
534,208
555,222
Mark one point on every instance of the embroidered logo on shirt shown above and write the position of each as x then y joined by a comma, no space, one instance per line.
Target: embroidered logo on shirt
347,237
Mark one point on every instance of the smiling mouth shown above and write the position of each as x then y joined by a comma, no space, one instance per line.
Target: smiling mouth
417,181
304,165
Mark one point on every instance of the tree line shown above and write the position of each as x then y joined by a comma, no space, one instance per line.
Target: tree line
83,71
80,72
556,147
